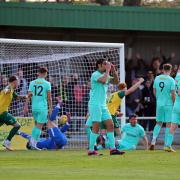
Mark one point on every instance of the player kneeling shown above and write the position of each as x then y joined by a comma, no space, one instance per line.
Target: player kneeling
57,138
133,132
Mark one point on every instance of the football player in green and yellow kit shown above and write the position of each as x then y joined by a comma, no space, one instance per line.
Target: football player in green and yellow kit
6,96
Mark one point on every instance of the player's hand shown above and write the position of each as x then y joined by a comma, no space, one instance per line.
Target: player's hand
59,100
68,114
141,80
50,111
7,91
137,100
120,114
108,66
24,97
113,69
25,110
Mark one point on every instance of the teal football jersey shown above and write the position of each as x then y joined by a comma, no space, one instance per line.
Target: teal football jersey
132,134
164,84
98,93
176,107
39,88
177,78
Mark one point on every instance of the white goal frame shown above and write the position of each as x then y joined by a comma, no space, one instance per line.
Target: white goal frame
120,46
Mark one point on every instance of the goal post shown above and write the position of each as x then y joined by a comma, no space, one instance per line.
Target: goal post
70,65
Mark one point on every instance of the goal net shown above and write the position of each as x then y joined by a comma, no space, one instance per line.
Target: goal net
70,65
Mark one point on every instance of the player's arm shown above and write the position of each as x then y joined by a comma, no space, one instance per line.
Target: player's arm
154,87
134,87
173,95
173,92
29,95
154,92
105,77
115,79
49,98
145,141
18,97
178,91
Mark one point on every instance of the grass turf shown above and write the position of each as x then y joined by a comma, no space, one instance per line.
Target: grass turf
136,165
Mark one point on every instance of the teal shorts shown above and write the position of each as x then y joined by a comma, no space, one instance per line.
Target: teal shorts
99,113
124,146
7,118
115,122
40,116
164,114
175,118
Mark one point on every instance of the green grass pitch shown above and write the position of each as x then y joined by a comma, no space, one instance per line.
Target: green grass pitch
62,165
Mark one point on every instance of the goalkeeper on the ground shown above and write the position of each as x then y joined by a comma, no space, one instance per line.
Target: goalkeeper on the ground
57,138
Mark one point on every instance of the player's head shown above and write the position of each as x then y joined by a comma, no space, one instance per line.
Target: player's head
28,146
167,68
122,86
13,80
133,119
101,64
156,62
5,81
42,72
148,84
178,69
101,141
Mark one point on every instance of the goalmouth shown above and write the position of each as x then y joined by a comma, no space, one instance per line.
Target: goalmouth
70,65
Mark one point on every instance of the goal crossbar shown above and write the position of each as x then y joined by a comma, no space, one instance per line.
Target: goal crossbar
61,43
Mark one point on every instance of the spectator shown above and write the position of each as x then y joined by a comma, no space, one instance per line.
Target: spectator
70,93
167,59
133,103
141,66
149,106
155,66
22,89
130,71
174,70
150,77
54,90
4,82
86,98
63,93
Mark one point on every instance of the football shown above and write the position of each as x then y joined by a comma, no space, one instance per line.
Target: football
63,119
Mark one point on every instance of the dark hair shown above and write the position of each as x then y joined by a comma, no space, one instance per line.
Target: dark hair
155,59
42,70
133,116
99,61
167,67
99,139
13,78
28,146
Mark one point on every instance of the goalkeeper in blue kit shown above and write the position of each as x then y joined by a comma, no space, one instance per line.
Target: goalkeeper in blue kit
57,138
